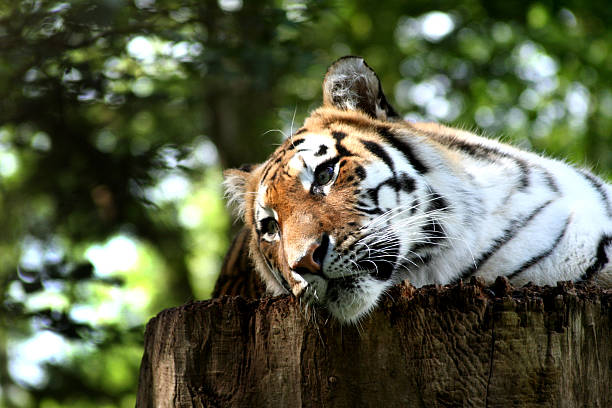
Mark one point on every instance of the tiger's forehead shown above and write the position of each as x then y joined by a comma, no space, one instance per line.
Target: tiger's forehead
297,154
291,167
312,150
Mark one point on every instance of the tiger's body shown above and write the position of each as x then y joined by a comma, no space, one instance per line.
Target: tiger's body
358,200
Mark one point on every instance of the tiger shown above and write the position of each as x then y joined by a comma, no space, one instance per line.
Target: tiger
358,200
238,276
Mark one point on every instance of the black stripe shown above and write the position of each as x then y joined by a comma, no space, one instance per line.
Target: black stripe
266,171
322,150
601,258
476,150
373,194
360,172
406,183
300,131
342,151
488,153
338,135
433,228
524,167
331,162
362,204
274,176
253,218
543,255
415,205
506,237
437,203
274,159
404,148
294,143
433,235
550,181
599,186
379,151
385,258
373,211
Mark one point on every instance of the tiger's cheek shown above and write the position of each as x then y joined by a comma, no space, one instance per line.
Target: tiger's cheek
266,252
343,203
272,254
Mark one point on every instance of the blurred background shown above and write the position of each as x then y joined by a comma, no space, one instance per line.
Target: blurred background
118,116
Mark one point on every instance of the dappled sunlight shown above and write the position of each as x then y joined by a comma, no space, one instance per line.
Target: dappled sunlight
118,254
436,25
28,357
205,216
172,187
9,164
141,270
433,26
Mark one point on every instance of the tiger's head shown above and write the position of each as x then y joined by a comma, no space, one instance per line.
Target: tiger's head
334,211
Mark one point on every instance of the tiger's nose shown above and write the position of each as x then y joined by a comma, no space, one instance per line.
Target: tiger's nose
312,261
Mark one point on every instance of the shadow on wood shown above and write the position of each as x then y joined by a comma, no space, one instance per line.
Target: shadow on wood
457,345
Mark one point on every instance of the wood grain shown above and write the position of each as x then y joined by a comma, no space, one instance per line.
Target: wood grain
460,345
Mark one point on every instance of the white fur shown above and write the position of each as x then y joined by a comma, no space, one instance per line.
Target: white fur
484,199
234,185
494,186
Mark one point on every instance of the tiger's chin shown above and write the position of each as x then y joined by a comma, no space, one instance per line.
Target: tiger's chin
347,299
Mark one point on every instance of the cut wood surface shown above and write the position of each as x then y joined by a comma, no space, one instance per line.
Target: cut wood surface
460,345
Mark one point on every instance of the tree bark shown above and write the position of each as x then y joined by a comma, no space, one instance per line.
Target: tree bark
460,345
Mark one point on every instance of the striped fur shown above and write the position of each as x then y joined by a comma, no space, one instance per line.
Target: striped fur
237,276
358,200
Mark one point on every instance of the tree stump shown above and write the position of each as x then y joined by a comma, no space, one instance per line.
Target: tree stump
459,345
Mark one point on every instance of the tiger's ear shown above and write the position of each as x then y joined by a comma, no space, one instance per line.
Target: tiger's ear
236,183
350,84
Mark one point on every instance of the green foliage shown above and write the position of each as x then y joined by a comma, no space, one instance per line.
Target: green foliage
117,116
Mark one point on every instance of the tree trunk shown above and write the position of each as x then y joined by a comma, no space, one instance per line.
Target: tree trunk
460,345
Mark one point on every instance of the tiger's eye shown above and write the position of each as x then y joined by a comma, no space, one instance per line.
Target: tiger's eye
324,175
269,226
